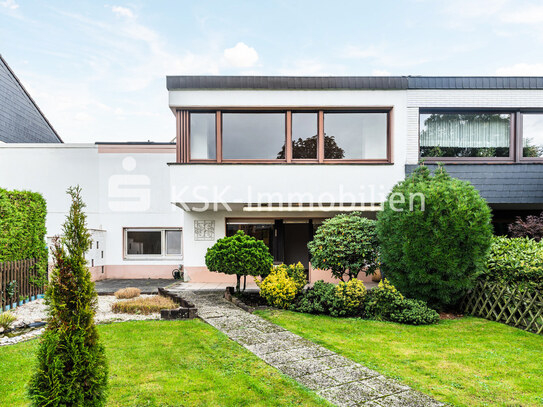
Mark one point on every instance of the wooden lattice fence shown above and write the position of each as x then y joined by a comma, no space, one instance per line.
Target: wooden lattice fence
17,283
510,305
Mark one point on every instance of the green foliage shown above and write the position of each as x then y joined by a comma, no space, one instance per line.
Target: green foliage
345,244
349,298
434,244
517,261
283,284
6,319
386,303
71,368
318,299
22,229
241,255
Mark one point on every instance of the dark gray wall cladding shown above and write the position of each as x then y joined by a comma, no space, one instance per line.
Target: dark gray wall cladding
499,183
20,119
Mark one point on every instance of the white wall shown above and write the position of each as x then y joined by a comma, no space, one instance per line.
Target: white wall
121,189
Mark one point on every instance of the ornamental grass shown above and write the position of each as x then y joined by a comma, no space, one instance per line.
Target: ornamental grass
143,305
128,292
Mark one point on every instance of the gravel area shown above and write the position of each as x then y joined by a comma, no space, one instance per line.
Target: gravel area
34,311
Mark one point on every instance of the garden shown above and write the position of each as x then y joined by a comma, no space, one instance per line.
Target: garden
440,269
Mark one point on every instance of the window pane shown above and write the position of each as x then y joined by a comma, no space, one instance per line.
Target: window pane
304,135
532,135
258,231
355,135
202,136
253,135
173,242
465,135
148,242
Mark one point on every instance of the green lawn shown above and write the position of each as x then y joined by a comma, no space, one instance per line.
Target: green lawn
466,362
177,363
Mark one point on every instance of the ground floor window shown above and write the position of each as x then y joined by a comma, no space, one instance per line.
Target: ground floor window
153,242
263,230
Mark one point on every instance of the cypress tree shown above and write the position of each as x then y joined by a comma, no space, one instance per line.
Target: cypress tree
71,368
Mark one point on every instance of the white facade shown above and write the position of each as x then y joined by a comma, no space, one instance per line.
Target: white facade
123,186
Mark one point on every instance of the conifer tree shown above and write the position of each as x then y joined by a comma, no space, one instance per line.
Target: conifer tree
71,368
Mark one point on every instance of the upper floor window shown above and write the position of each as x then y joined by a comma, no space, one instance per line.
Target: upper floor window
203,142
465,135
355,136
285,136
532,135
258,136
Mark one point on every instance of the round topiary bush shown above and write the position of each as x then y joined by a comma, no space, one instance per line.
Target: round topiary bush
346,245
241,255
434,234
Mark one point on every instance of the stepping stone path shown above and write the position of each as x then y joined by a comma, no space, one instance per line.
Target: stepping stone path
335,378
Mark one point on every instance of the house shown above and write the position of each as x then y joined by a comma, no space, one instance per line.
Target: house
21,120
275,156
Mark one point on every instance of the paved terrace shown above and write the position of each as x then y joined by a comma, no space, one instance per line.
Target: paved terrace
335,378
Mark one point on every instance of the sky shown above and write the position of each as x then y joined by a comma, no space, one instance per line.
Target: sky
97,70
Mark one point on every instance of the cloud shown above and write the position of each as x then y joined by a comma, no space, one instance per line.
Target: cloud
526,15
122,11
521,69
241,56
9,4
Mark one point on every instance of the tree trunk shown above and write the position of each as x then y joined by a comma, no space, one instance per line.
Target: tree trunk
244,282
238,281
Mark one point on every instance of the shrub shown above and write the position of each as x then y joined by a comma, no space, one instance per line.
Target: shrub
6,319
283,284
349,298
318,299
516,261
143,305
531,227
345,244
241,255
128,292
434,234
71,367
22,229
386,303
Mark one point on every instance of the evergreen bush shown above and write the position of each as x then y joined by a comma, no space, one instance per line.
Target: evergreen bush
22,229
241,255
71,367
345,244
434,234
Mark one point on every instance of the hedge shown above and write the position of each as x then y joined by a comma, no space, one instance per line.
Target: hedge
22,227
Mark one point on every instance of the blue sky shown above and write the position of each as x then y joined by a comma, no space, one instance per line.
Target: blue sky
97,70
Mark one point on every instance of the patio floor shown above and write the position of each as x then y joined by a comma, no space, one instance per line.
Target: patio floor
147,285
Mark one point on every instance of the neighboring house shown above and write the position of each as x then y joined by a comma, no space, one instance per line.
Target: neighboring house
275,156
21,120
136,232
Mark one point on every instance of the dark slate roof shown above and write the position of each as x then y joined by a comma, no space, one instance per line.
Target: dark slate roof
499,183
21,120
352,82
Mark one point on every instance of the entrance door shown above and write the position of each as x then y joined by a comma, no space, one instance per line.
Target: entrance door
296,237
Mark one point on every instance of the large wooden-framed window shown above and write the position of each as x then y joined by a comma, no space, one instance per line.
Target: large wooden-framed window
297,135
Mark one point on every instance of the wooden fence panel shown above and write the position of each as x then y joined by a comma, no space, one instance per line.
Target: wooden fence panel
506,304
16,282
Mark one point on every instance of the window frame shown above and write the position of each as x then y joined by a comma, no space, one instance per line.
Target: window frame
183,134
163,248
520,138
484,160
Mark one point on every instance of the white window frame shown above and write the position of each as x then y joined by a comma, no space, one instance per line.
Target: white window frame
163,255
